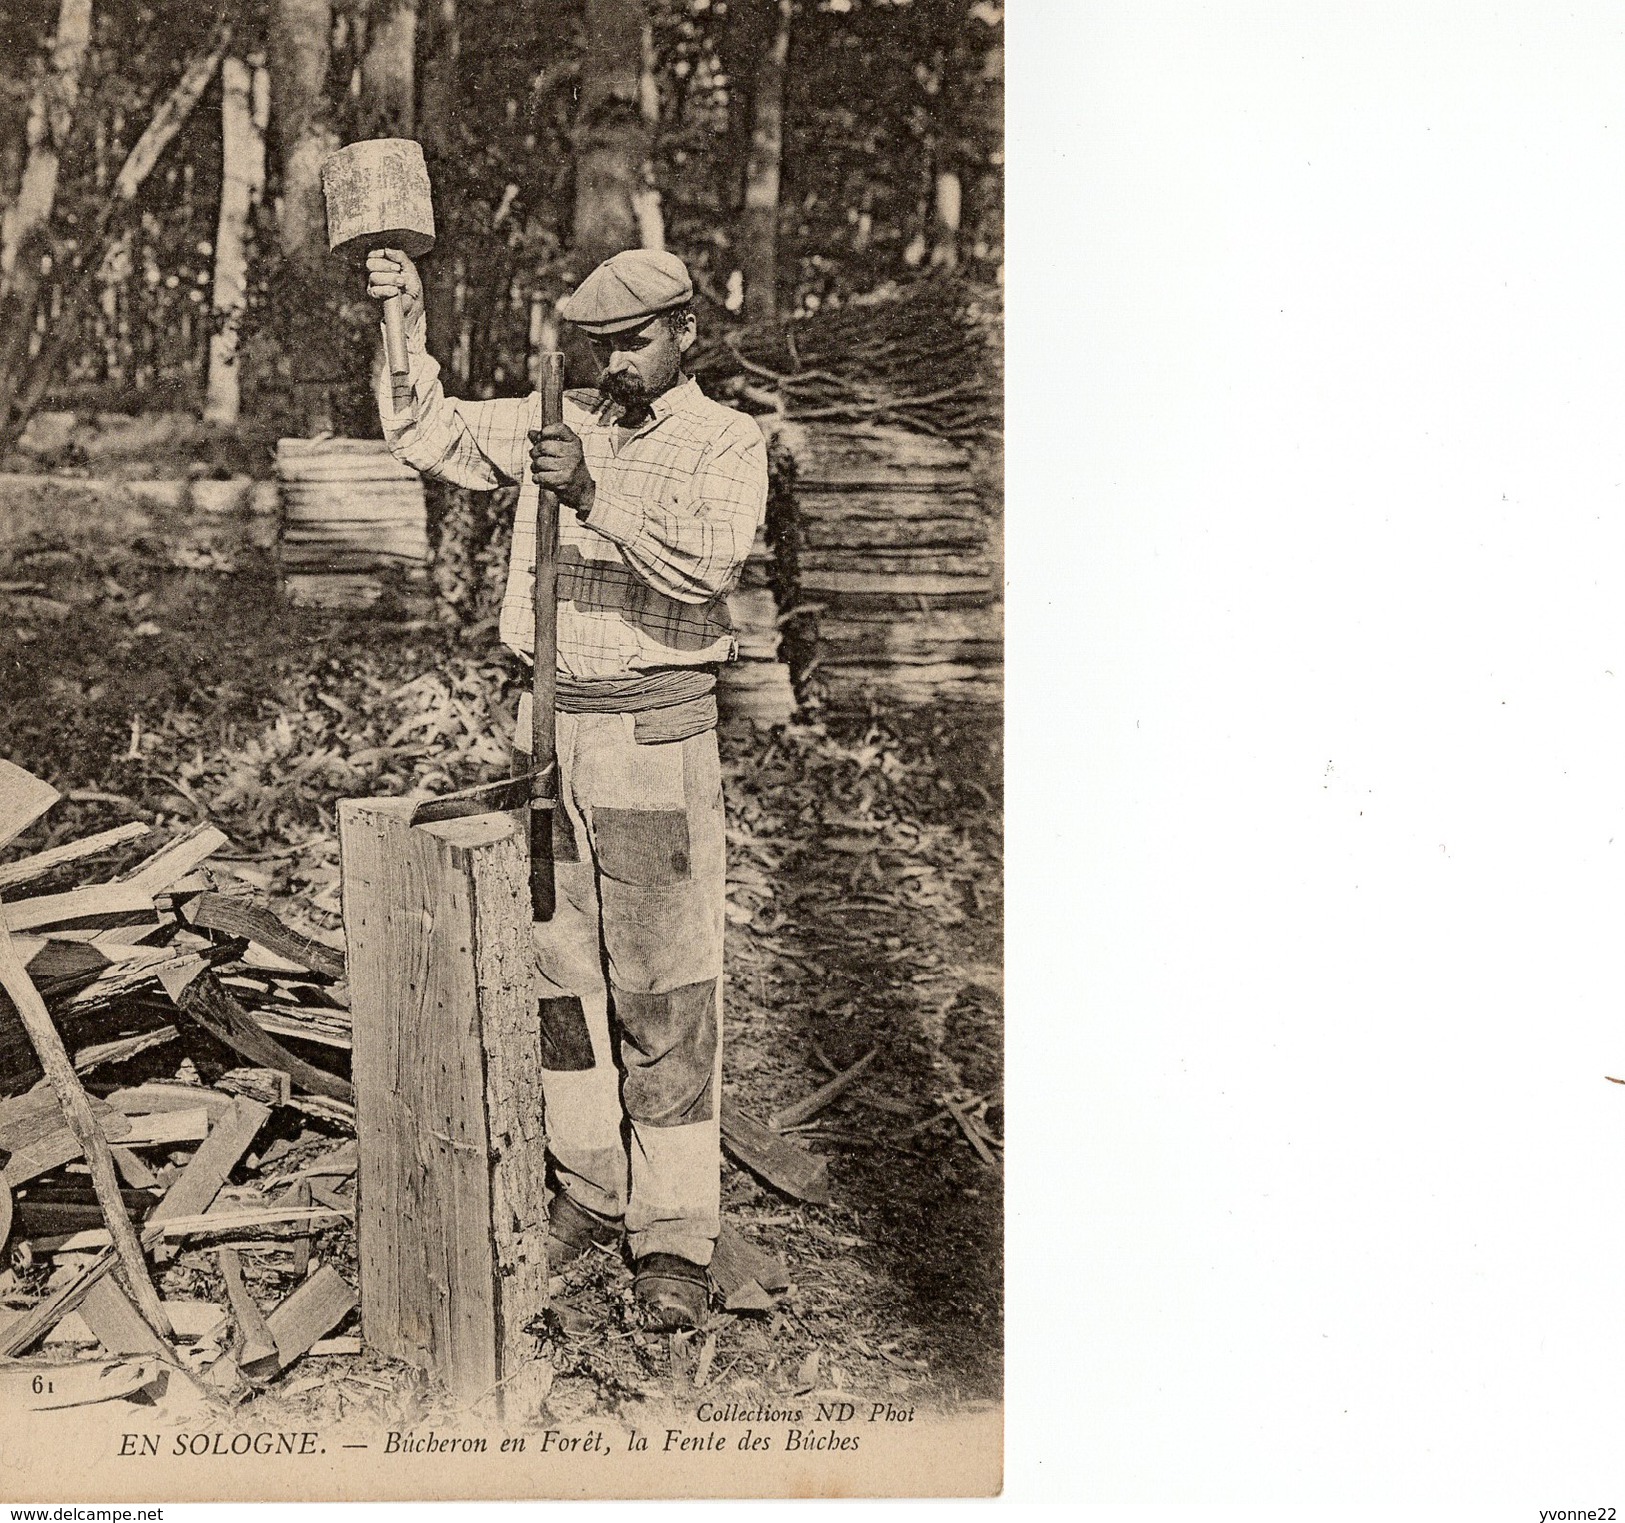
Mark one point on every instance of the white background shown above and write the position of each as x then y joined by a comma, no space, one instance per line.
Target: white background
1317,530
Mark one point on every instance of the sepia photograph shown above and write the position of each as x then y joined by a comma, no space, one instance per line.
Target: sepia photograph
501,749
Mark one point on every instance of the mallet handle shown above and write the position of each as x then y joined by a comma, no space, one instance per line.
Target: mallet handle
395,335
543,740
395,351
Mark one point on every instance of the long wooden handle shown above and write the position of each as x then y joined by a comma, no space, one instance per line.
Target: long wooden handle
543,741
70,1094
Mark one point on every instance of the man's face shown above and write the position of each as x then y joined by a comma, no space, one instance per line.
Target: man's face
634,367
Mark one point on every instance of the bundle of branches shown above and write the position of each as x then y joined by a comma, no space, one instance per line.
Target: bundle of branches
923,356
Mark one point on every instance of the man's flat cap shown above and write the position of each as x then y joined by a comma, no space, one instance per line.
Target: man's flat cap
628,289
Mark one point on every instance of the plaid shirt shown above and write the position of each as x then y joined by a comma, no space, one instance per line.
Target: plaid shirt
643,579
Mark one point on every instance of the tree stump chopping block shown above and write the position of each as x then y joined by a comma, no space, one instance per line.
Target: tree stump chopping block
452,1218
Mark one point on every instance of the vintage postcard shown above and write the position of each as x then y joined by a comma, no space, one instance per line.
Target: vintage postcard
501,749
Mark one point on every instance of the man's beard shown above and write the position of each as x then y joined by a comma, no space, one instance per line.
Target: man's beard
624,387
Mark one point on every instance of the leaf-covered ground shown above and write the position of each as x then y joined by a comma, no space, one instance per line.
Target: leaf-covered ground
865,912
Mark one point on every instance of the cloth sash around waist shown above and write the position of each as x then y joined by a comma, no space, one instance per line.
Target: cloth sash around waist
671,703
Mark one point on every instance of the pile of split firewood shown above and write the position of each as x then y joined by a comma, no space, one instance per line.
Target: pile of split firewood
179,1185
163,1234
889,569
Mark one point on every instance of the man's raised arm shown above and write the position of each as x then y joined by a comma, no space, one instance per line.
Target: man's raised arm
471,444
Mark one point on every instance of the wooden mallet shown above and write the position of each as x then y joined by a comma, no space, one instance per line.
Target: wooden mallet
377,194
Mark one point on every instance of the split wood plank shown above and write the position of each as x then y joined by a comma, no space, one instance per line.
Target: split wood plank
190,1319
42,862
738,1263
22,1332
341,1161
782,1163
306,1031
199,996
270,1086
805,1110
76,1109
44,1220
170,863
23,799
302,1195
116,1324
326,1195
120,1050
234,917
101,902
133,1169
27,1117
129,966
54,1146
311,1312
268,1223
165,1128
120,1328
201,1179
258,1345
134,934
162,1095
334,1111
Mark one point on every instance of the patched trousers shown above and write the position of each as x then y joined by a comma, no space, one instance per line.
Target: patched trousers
630,982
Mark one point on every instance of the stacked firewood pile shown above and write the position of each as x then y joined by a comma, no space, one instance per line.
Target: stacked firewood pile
237,1194
891,576
756,685
890,409
354,525
923,357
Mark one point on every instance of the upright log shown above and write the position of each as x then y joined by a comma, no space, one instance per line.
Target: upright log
452,1218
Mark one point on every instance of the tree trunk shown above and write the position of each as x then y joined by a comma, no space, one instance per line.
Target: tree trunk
13,149
651,221
945,233
244,112
946,86
759,220
386,69
50,120
26,229
301,40
301,35
27,384
611,141
611,136
987,214
439,45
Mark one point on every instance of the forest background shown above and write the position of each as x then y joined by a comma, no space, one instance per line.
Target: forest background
163,244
